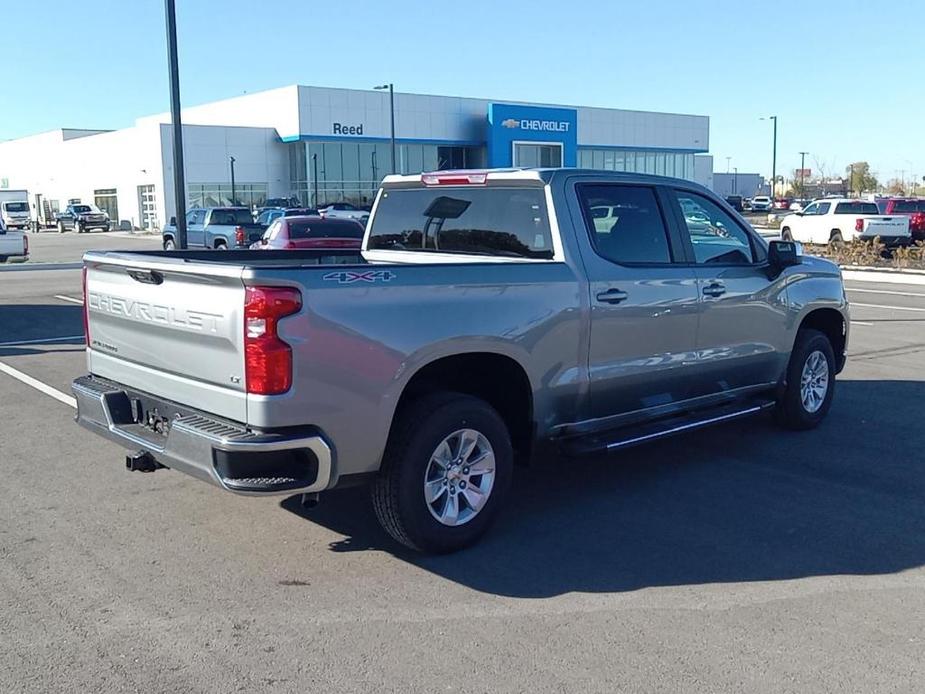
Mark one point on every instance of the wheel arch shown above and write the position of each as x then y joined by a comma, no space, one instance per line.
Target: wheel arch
832,323
498,379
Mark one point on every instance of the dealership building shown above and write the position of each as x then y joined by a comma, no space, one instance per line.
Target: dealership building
324,145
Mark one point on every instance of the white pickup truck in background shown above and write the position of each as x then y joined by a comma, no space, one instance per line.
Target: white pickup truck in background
836,220
14,245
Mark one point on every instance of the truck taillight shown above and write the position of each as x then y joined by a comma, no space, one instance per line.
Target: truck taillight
86,311
239,236
859,224
25,244
267,358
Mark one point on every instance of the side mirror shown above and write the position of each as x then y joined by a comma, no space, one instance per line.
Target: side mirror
264,242
800,213
783,254
173,221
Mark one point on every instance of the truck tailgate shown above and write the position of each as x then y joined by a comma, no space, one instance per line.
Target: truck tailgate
169,327
886,226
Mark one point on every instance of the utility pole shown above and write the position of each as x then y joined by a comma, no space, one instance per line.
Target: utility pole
179,180
803,174
774,160
727,164
735,180
392,112
234,198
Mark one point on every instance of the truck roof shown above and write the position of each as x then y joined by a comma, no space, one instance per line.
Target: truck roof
539,175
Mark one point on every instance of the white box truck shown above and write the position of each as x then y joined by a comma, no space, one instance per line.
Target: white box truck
14,209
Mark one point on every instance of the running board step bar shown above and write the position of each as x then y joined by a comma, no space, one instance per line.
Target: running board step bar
616,439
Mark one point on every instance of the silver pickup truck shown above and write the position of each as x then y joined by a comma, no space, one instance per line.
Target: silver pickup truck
490,317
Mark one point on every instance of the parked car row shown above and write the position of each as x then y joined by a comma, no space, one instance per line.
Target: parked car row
226,228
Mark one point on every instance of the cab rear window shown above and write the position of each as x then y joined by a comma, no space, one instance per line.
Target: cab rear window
909,206
325,229
856,208
495,221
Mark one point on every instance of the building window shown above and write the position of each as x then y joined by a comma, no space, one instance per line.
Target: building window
662,163
219,194
108,202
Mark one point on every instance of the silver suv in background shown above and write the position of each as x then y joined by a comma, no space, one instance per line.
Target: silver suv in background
491,316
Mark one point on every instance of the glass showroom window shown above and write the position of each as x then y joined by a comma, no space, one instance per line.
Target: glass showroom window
106,200
219,194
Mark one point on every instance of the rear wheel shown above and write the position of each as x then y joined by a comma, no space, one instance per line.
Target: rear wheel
810,382
221,246
836,239
445,474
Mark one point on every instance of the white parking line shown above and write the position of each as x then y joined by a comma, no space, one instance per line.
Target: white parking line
69,298
42,341
894,308
38,385
884,291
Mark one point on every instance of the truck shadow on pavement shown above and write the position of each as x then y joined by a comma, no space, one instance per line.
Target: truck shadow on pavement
20,322
745,502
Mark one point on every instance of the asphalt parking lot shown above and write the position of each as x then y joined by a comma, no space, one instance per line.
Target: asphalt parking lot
740,558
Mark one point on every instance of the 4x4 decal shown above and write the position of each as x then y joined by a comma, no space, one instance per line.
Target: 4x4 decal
350,276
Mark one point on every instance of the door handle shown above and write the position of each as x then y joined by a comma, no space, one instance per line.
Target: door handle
714,289
612,296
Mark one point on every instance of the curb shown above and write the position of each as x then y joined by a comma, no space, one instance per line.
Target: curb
867,274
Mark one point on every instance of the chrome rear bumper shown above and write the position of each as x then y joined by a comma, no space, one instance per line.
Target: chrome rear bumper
228,456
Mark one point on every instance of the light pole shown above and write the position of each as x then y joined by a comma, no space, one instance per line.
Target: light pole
803,174
728,159
392,113
735,180
179,182
315,175
234,200
773,156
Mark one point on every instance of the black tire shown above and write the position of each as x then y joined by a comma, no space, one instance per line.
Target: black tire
170,244
398,491
785,234
836,239
221,246
78,228
791,411
60,227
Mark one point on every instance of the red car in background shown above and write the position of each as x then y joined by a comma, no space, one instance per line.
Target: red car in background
782,203
299,233
913,208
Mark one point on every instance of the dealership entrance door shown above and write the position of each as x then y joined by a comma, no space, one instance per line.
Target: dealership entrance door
542,154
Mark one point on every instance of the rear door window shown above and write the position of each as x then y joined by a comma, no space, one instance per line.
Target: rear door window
492,221
625,223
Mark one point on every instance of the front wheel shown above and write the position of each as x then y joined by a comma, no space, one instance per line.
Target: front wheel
60,227
810,382
445,473
836,239
170,245
785,234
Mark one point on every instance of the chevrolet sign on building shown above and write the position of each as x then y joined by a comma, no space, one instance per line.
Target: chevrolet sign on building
532,136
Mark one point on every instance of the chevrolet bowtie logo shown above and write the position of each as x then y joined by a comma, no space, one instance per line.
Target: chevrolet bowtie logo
511,123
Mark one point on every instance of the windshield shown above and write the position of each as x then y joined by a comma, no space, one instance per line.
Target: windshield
483,221
81,208
16,206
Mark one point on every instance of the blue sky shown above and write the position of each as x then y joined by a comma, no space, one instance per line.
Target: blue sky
845,78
